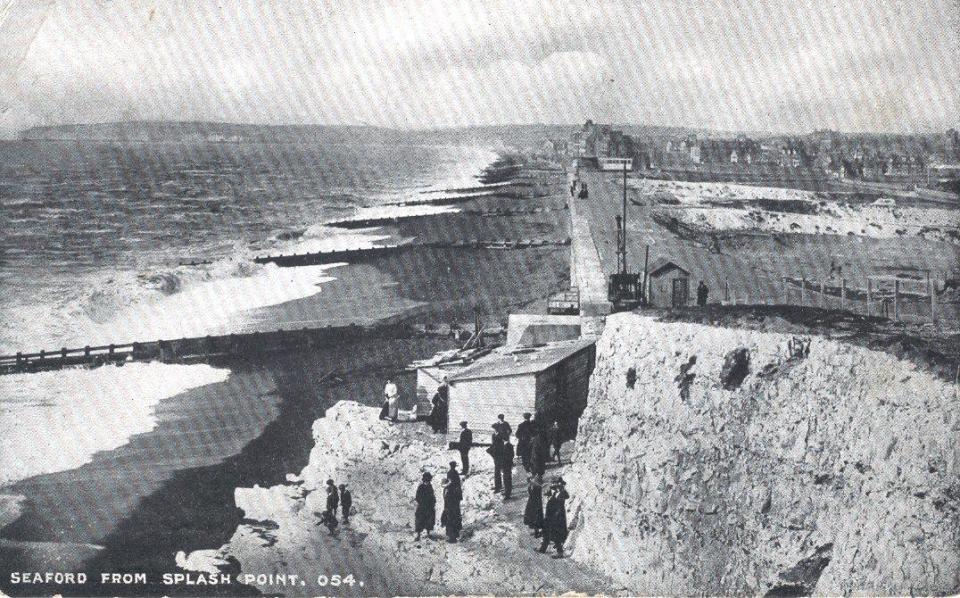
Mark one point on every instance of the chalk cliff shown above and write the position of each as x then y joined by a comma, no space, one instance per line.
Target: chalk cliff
719,461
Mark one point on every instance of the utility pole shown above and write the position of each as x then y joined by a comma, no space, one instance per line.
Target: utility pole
622,229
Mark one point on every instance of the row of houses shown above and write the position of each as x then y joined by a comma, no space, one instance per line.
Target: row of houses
829,153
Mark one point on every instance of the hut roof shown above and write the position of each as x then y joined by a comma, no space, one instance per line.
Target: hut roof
661,265
527,360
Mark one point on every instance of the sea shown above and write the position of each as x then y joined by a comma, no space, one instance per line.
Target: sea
118,242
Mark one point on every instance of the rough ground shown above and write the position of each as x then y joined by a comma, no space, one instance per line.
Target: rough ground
711,461
383,464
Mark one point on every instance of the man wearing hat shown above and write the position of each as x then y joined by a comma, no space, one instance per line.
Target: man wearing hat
466,441
524,441
555,519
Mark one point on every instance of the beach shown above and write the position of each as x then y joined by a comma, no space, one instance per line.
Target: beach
171,489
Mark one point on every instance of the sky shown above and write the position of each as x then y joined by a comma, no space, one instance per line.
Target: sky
729,65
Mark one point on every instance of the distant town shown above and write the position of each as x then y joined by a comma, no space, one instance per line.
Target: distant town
929,161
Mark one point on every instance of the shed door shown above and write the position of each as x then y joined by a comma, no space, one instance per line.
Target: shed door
681,290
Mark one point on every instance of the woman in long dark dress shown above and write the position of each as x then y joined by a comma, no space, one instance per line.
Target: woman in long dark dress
533,513
425,516
555,519
451,518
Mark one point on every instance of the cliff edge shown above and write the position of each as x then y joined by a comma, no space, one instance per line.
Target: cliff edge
725,461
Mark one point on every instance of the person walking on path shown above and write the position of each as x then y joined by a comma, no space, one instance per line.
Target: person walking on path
524,440
496,452
451,518
502,428
556,440
346,503
392,396
466,441
506,468
425,517
555,519
533,512
702,293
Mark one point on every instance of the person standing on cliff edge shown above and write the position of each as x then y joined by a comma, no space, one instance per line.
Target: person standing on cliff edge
466,441
392,397
506,468
329,516
502,428
555,519
495,451
524,439
346,503
451,518
425,517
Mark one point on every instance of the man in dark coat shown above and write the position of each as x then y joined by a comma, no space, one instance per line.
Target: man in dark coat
502,427
555,519
438,415
496,452
702,293
533,512
451,518
506,467
466,441
524,440
452,474
425,517
329,517
539,450
346,502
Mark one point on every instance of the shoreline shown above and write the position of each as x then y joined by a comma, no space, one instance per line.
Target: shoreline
200,498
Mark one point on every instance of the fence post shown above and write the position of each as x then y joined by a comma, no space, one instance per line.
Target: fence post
843,293
896,300
823,294
869,296
931,291
803,290
786,292
726,292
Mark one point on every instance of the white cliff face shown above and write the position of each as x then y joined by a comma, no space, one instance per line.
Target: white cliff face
832,473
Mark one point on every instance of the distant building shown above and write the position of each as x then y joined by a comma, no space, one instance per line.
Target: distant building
668,284
549,381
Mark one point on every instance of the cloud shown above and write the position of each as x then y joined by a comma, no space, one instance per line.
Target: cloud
753,65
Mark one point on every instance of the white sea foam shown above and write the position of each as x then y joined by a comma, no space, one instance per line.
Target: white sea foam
55,421
399,212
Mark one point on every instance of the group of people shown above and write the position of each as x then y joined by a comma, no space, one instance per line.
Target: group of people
425,516
336,498
438,412
534,444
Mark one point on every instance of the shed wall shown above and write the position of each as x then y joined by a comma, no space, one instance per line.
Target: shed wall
479,401
661,287
562,390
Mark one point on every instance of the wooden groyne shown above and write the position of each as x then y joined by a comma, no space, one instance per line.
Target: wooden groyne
204,348
347,255
387,220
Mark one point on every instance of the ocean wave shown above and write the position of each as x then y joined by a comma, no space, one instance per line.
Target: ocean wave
97,410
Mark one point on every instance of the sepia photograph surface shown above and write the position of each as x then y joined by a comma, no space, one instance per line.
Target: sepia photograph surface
423,298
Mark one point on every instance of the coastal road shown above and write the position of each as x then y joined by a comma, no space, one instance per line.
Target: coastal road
752,277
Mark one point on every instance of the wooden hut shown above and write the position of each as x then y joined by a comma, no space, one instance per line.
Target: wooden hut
548,381
668,284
